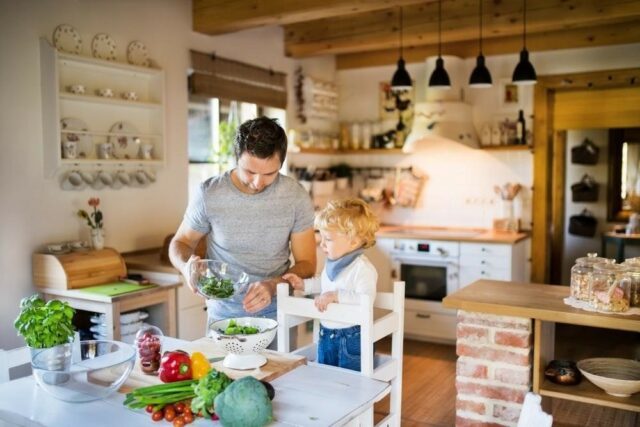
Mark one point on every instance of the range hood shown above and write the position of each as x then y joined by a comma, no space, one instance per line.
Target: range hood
444,116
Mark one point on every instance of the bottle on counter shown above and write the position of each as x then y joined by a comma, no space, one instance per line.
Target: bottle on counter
581,275
521,133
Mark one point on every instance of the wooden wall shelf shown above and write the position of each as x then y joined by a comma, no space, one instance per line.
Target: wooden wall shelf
510,147
332,151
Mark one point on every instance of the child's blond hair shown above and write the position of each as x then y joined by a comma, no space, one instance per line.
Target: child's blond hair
352,217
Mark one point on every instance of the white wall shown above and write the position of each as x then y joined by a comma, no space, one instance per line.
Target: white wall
459,191
34,210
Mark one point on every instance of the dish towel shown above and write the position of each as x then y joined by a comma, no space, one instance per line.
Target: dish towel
532,414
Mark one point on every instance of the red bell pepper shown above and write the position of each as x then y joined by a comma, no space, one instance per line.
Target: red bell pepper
175,366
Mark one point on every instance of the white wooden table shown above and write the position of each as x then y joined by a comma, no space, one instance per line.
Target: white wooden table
311,395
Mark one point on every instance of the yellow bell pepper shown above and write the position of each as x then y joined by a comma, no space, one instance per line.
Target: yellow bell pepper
200,366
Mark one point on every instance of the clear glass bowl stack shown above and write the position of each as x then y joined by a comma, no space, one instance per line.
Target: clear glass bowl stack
99,369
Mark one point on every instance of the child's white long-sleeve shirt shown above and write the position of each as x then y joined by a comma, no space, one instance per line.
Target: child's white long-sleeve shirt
359,277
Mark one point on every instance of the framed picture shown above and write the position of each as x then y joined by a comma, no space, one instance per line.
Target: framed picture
389,103
510,95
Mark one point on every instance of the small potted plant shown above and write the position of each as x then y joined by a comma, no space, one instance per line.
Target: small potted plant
47,328
342,172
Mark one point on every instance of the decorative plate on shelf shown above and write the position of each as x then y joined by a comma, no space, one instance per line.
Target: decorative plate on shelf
103,47
125,141
84,140
67,39
137,54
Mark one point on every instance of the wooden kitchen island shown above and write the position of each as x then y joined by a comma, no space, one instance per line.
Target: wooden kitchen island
496,305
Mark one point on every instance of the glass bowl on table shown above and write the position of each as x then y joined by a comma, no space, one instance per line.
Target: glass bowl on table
100,368
218,280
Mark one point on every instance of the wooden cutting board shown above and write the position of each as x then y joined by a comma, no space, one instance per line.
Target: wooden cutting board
277,365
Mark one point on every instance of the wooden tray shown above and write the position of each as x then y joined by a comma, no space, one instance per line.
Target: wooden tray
277,365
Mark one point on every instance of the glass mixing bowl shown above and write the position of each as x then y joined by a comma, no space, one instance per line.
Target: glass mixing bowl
217,279
99,369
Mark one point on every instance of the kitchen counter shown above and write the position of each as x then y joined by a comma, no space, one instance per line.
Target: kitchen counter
148,259
475,235
509,322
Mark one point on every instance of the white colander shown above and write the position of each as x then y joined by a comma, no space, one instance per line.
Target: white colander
244,350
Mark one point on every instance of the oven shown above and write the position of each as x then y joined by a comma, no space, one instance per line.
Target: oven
428,268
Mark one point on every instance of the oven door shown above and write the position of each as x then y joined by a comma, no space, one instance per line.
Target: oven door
426,279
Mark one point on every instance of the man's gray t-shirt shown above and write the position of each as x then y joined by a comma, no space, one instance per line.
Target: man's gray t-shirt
249,231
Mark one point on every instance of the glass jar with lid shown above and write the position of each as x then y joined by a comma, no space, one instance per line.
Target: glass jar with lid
633,264
581,274
149,346
609,288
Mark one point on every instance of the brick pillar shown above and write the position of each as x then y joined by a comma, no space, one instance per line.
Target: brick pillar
493,371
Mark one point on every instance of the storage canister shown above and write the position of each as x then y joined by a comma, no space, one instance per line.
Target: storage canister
634,287
581,274
609,287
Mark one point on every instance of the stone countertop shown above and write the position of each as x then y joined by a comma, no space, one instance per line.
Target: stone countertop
472,235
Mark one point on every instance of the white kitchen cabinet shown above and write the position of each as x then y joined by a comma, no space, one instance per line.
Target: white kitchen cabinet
493,261
143,118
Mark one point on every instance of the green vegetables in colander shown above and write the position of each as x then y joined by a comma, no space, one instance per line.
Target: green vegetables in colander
214,287
234,329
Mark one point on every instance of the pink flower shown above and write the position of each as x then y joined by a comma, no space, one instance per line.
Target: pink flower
94,219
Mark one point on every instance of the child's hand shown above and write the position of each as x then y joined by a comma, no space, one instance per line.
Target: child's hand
322,301
296,282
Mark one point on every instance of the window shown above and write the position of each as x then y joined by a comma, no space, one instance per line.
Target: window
212,124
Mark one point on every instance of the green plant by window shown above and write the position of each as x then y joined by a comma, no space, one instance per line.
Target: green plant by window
227,135
45,325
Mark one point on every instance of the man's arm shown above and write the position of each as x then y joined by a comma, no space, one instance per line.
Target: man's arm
303,249
182,250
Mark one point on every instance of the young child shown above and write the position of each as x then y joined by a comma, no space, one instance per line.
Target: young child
347,228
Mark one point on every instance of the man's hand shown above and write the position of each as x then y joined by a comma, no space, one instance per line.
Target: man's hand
296,282
322,301
258,296
190,273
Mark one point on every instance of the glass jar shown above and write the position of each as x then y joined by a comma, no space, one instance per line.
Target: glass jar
609,288
149,349
581,274
633,265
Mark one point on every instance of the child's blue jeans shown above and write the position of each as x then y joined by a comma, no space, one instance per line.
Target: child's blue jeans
340,347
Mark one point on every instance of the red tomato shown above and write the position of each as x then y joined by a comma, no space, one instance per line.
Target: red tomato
157,415
180,407
149,408
179,421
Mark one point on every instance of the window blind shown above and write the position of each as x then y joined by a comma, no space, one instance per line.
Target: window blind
216,77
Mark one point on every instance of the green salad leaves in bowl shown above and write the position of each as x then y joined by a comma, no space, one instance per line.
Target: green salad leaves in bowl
218,280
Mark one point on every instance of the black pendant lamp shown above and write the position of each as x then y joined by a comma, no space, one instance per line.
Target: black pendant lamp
401,79
439,78
524,74
480,76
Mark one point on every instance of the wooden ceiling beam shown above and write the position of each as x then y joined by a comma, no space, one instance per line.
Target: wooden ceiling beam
216,17
379,29
603,35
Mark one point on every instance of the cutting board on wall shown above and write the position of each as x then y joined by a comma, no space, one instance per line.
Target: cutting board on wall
277,365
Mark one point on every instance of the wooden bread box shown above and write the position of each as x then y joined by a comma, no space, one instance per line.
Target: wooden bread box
75,270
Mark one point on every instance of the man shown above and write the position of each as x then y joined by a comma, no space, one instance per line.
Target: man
254,219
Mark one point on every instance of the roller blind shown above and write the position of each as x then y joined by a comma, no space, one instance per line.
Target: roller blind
216,77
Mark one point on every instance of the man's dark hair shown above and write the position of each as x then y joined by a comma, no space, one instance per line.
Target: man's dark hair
262,137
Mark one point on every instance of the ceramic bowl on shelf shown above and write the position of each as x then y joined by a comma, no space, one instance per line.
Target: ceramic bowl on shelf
617,377
564,372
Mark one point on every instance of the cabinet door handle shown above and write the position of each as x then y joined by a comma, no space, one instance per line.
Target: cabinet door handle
423,316
394,274
204,308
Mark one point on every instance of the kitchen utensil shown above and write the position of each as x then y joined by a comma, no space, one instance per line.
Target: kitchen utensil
105,92
125,140
69,149
67,39
563,372
130,96
99,370
103,47
137,54
76,89
206,271
105,152
244,350
83,139
617,377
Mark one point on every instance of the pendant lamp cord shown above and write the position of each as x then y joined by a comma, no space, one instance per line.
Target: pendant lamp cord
480,27
524,22
400,32
439,28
